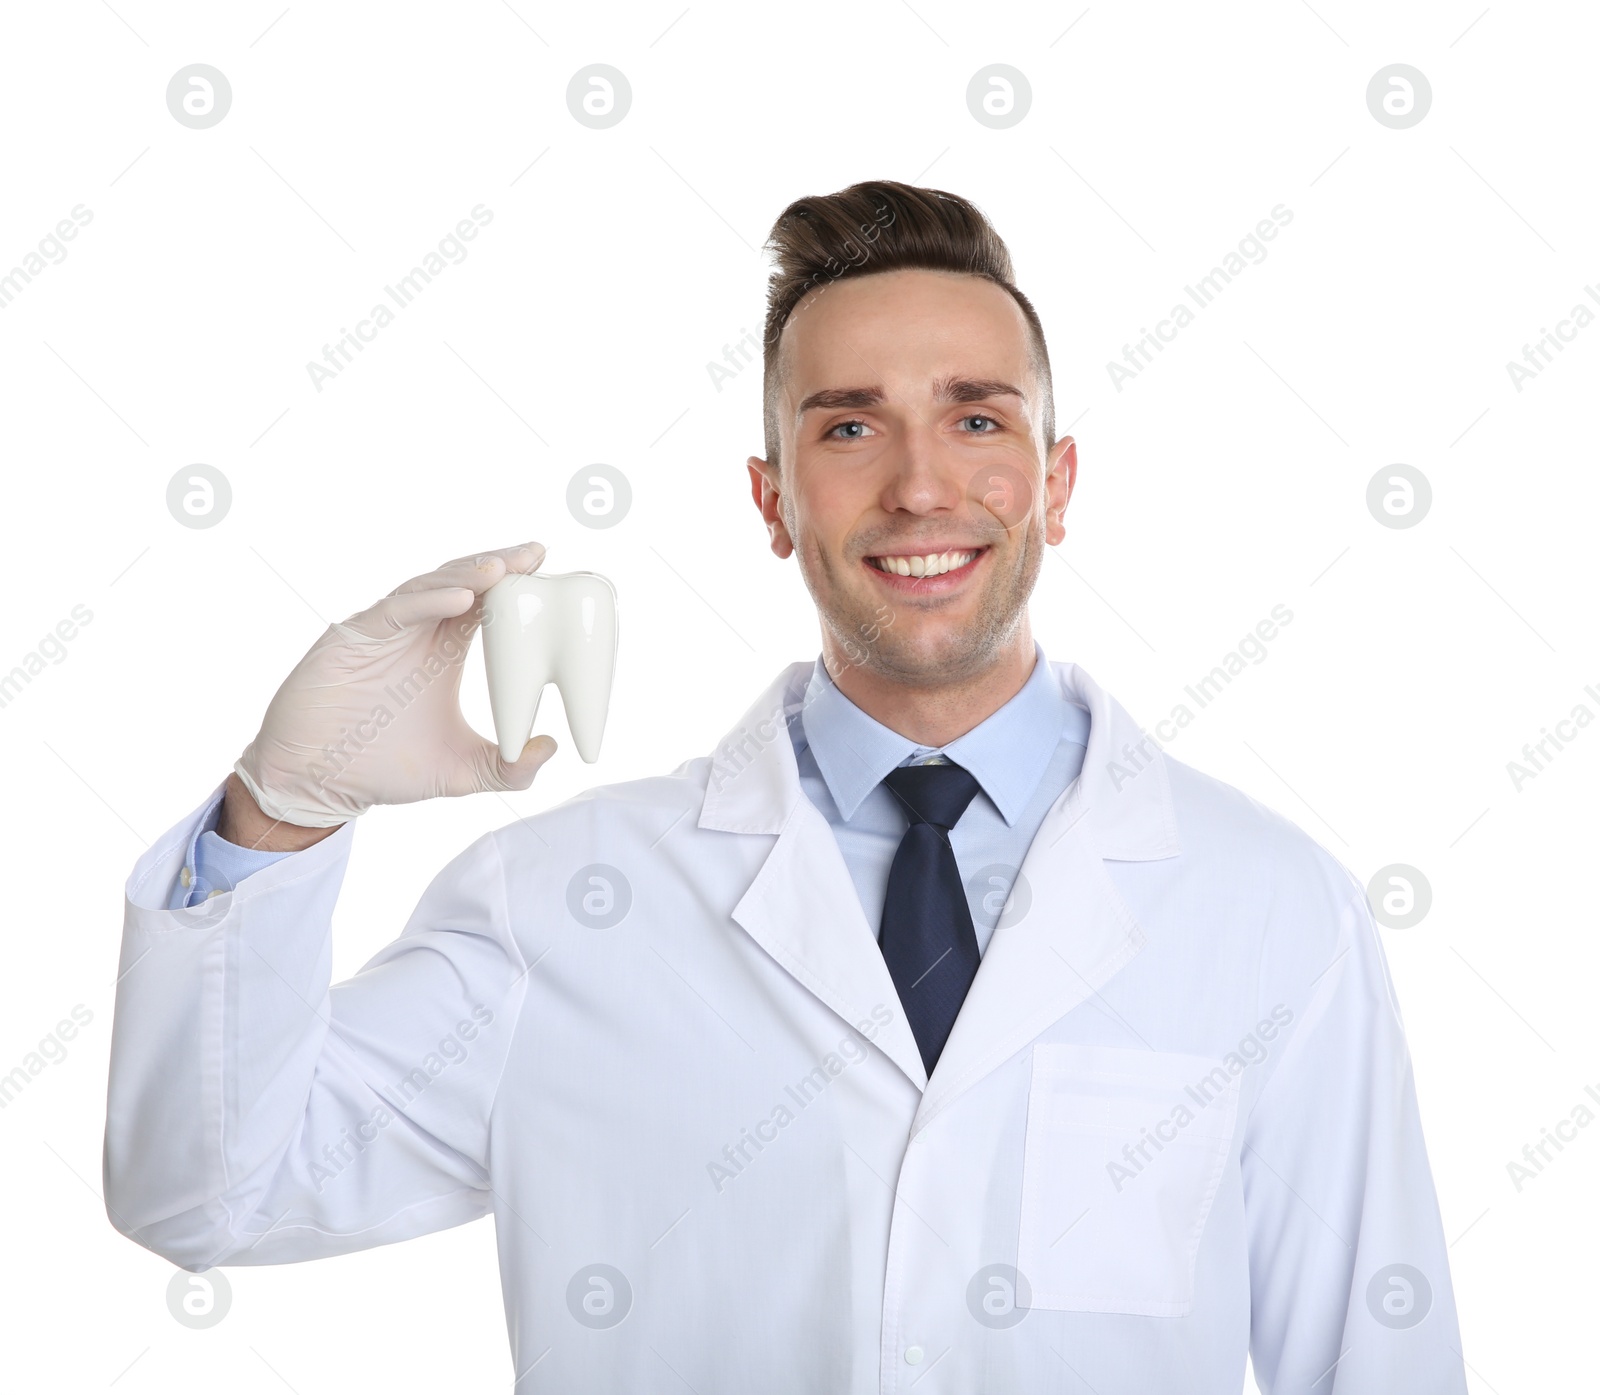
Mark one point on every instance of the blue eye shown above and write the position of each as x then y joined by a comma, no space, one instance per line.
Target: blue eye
843,424
992,422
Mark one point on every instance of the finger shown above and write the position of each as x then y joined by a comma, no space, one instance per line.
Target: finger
536,549
485,771
479,571
395,614
526,557
518,774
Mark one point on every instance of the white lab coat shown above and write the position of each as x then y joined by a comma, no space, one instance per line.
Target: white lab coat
1177,1099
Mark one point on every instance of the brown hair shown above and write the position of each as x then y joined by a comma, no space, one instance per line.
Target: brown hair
877,226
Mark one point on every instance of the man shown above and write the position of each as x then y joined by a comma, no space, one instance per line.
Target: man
936,1032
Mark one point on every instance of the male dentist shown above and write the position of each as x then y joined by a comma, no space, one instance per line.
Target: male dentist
936,1032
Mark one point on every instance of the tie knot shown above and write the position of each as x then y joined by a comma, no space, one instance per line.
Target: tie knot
933,794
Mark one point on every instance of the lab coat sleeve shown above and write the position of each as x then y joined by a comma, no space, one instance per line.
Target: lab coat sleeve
256,1113
1349,1277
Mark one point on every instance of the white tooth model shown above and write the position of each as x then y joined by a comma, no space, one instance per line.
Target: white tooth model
538,629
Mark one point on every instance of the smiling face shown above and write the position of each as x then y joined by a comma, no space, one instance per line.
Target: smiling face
915,487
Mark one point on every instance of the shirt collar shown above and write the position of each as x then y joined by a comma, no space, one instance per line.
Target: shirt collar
1006,753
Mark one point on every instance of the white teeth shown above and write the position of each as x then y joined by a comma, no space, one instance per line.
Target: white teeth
540,628
932,564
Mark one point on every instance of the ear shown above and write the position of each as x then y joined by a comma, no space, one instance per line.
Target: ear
1059,479
767,492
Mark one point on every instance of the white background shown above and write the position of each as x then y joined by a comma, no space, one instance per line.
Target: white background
1229,477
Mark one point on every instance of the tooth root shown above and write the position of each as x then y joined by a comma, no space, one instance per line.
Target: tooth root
540,629
516,667
588,661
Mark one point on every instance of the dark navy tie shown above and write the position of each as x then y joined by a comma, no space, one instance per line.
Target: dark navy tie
926,936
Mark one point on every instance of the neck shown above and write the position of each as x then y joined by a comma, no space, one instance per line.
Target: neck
934,715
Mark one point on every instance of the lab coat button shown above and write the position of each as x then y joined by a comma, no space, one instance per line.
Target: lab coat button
914,1356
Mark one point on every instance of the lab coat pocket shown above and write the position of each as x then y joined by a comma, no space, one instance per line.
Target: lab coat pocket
1123,1155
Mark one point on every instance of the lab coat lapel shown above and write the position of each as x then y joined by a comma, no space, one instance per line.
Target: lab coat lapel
1077,931
802,907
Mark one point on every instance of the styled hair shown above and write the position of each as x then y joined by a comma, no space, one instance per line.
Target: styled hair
873,227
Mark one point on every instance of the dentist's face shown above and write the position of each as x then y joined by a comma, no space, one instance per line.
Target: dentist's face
911,442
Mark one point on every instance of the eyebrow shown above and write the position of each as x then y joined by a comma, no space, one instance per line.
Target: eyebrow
944,390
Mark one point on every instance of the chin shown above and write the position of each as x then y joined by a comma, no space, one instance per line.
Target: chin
935,654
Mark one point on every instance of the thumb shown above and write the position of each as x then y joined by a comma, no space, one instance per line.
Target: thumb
518,774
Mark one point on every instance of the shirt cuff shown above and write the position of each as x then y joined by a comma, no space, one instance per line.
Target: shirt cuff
214,865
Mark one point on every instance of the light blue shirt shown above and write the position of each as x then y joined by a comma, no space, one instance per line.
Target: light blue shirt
214,865
1023,756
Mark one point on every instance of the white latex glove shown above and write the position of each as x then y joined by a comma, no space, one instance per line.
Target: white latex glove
372,713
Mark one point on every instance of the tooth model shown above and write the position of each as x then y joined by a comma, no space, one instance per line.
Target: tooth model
539,629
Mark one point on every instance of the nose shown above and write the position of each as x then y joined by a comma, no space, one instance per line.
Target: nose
924,474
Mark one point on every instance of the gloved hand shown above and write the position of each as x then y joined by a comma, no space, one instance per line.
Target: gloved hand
372,713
